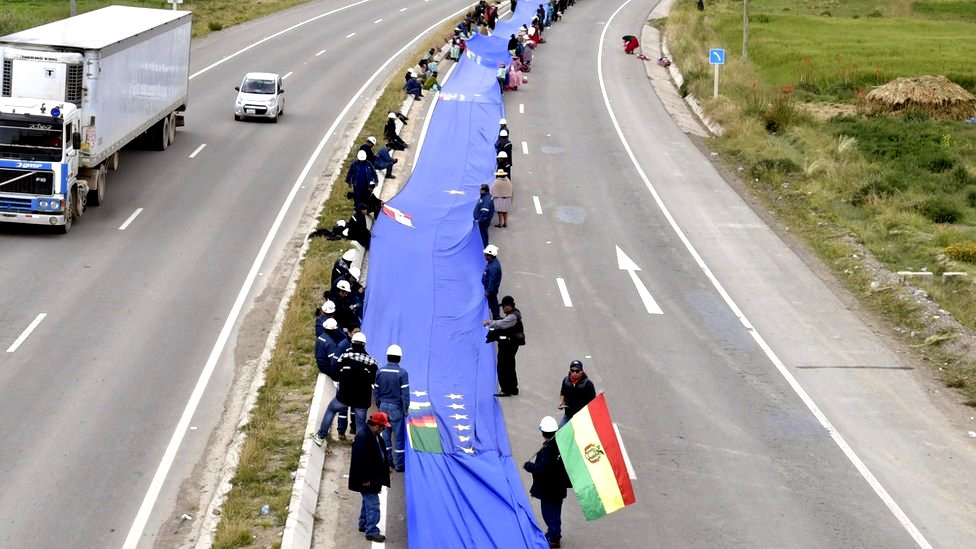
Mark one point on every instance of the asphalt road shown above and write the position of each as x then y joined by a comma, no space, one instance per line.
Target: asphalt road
89,401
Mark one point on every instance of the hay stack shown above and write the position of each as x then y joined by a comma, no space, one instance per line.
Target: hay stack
935,95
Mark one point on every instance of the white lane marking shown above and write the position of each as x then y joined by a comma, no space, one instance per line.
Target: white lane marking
350,35
403,10
319,53
272,37
197,150
564,292
625,263
131,218
26,333
382,523
525,148
538,205
380,20
287,75
521,108
623,450
868,476
159,477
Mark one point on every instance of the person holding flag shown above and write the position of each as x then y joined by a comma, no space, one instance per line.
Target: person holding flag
549,481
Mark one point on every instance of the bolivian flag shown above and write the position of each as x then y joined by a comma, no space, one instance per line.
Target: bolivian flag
594,460
423,434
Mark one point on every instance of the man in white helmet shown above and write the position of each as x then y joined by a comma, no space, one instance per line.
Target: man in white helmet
323,313
391,135
340,269
356,375
392,395
504,162
503,143
549,480
359,176
348,312
329,347
367,148
491,279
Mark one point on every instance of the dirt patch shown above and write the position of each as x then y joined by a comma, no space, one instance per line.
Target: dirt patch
826,111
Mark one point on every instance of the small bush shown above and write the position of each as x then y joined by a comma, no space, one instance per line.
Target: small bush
971,197
782,112
876,13
939,163
940,209
965,251
767,166
882,186
960,178
215,26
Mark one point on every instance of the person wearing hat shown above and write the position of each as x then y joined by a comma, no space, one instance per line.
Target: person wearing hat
355,376
369,473
367,148
503,143
360,175
549,481
509,332
329,347
323,313
385,161
347,307
502,76
413,86
503,161
501,193
484,210
340,269
491,278
576,392
390,133
392,395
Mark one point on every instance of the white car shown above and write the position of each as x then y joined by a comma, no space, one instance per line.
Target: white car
260,95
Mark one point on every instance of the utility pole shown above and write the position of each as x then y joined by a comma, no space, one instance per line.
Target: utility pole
73,6
745,30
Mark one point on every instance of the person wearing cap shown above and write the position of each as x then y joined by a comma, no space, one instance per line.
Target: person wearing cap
369,472
385,161
347,307
356,374
359,176
491,278
323,313
367,148
503,161
340,269
392,395
509,333
576,392
413,86
390,133
549,481
501,193
329,347
484,210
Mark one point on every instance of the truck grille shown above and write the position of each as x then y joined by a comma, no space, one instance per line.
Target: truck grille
15,205
8,78
72,85
36,183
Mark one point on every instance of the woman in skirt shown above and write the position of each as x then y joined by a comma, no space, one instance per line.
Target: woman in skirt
501,193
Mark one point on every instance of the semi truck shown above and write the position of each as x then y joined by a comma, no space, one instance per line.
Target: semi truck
73,93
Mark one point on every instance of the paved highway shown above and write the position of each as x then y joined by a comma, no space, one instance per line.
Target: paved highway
134,306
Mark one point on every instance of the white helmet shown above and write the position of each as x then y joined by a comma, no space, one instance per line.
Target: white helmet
361,155
330,324
503,133
548,425
502,154
371,139
490,249
350,255
355,272
394,350
502,122
344,286
391,115
328,307
359,337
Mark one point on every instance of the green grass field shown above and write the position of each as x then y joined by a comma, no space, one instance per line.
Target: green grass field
904,186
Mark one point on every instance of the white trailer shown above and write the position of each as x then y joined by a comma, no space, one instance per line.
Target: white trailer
76,91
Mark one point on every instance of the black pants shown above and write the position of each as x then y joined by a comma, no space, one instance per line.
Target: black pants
507,378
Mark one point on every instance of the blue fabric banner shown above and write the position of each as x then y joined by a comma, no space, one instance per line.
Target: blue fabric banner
425,294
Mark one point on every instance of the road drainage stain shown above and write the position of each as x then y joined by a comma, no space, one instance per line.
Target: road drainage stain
546,149
571,214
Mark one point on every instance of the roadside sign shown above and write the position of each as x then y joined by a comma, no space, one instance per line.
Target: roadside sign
716,56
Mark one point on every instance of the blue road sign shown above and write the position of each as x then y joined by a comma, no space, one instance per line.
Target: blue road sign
716,56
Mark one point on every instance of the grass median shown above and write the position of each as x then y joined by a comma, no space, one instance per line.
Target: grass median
274,435
902,186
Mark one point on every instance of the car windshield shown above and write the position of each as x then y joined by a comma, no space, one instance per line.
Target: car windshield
258,86
30,141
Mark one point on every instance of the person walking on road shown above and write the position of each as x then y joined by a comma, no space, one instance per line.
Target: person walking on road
549,481
484,210
510,335
369,472
501,193
491,279
393,398
576,392
356,375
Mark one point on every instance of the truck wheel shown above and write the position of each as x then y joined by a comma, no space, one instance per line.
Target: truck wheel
69,211
171,135
96,197
113,162
158,135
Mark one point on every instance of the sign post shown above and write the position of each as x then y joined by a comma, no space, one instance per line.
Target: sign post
174,2
716,57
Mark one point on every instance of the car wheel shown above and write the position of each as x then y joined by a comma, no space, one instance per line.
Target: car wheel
238,118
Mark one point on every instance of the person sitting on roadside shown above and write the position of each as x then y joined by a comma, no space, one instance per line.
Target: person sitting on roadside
385,160
413,87
431,82
390,133
630,44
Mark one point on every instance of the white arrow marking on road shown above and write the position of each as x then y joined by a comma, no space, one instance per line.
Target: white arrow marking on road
27,332
625,263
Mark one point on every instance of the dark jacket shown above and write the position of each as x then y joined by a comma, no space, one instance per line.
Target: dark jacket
491,279
319,320
383,159
503,144
504,164
360,174
358,230
504,329
389,130
549,478
340,270
357,372
328,348
484,209
393,387
367,147
577,396
368,469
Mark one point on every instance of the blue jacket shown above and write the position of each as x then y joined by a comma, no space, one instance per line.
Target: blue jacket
328,348
491,279
318,323
484,209
383,159
361,172
392,386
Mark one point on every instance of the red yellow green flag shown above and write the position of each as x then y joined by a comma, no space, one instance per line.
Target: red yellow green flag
594,460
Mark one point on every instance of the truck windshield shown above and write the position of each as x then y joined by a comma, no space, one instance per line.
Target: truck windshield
28,140
258,86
